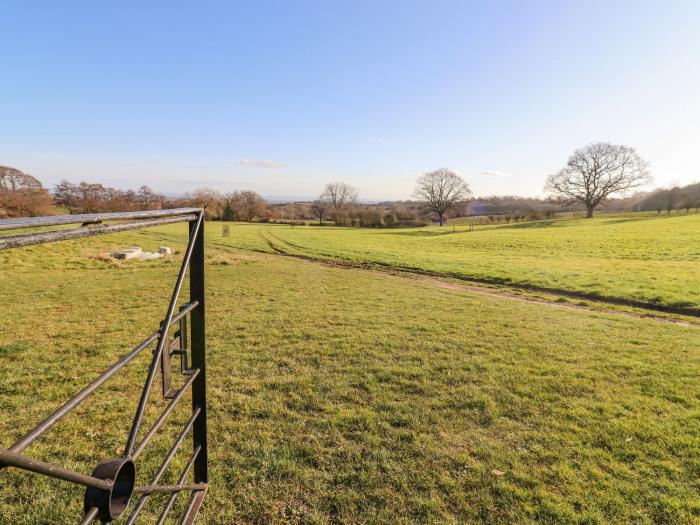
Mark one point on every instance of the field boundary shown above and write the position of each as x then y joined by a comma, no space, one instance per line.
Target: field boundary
385,267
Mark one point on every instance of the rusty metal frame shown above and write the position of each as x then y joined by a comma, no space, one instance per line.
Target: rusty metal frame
110,487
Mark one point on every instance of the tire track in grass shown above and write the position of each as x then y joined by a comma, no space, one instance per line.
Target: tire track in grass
479,286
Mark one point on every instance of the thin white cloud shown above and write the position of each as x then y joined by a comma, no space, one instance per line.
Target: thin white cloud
262,163
493,173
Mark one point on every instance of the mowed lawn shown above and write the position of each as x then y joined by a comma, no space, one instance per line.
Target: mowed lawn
352,396
651,259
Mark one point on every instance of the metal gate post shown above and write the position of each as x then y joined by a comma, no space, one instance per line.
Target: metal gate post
199,394
198,356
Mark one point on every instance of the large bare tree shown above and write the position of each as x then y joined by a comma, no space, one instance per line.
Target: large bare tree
341,196
440,191
597,172
22,194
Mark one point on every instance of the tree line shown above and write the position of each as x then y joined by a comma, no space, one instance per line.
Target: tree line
666,200
23,195
87,197
598,176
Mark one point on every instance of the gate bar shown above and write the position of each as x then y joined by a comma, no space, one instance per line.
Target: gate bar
109,475
163,466
91,218
27,239
159,423
162,338
69,405
180,480
13,459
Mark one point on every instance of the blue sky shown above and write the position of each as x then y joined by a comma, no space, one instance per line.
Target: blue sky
179,95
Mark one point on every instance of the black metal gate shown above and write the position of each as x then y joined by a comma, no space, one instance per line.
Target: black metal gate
112,484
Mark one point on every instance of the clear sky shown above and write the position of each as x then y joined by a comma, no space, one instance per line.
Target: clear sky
281,97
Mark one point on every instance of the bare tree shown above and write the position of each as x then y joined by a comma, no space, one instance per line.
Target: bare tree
149,199
243,206
596,172
341,196
22,194
207,199
66,194
87,197
251,205
440,191
91,197
320,208
229,209
690,197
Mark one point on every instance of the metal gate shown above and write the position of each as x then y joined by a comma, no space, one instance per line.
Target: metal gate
112,484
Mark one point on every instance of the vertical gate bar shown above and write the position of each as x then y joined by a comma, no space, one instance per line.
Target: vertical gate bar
198,347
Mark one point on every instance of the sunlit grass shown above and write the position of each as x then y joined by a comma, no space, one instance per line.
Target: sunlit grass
649,259
350,396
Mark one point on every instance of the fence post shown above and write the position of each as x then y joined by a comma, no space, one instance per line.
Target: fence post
199,396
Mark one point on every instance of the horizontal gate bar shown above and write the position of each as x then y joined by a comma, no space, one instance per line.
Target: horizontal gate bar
28,239
13,459
170,489
91,218
159,422
69,405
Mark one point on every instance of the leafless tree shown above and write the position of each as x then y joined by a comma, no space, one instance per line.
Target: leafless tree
148,199
89,197
341,196
440,191
320,208
208,199
596,172
249,205
66,194
22,194
229,210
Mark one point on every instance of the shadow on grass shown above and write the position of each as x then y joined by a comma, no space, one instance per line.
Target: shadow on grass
534,224
424,233
642,218
481,227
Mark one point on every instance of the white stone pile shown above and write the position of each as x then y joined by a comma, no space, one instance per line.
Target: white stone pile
135,252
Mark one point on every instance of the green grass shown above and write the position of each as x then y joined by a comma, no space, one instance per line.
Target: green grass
641,258
352,396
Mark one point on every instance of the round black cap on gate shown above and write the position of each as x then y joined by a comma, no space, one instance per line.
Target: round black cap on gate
113,502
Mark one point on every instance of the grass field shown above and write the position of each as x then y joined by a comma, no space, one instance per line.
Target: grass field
645,259
344,395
